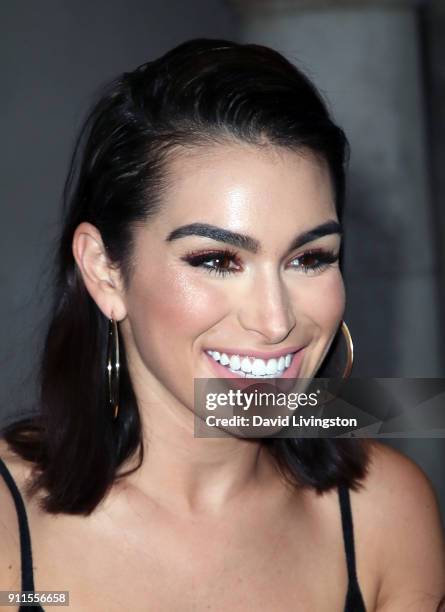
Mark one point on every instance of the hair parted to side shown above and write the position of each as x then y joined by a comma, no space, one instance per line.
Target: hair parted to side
202,92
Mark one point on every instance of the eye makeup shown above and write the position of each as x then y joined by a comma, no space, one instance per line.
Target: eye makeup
224,262
315,260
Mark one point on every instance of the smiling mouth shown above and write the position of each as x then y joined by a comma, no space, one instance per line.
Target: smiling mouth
247,366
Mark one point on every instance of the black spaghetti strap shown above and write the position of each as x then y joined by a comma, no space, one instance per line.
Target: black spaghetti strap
354,598
25,539
348,530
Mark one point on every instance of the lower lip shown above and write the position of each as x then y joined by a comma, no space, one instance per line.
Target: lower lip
291,372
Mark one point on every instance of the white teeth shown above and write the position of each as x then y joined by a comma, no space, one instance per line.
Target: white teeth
235,362
246,366
224,360
271,367
239,372
252,367
258,367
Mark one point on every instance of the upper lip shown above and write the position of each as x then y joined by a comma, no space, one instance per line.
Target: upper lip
258,354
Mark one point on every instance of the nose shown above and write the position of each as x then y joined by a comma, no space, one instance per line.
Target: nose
267,309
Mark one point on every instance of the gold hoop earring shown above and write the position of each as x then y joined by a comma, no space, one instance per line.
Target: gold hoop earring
113,367
340,358
349,350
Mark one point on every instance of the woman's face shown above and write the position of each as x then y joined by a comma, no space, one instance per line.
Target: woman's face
237,272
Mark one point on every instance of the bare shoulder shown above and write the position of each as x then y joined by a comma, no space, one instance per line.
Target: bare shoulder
396,487
398,516
393,474
18,467
10,562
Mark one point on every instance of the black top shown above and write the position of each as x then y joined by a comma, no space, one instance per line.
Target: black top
354,599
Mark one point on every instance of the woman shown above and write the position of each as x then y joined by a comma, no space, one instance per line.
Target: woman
203,212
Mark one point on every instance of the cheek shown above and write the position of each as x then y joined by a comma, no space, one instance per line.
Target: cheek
322,299
182,306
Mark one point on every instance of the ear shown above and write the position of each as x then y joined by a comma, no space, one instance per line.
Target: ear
101,279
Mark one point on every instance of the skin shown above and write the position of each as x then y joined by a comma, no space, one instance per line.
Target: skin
266,305
213,514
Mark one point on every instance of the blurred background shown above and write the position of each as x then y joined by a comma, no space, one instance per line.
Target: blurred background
380,65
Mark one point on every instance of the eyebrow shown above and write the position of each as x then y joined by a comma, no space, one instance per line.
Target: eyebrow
246,242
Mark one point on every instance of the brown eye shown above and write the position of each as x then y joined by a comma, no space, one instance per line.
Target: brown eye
309,260
218,262
223,263
313,261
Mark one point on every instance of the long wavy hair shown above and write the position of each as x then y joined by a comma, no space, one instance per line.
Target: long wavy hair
202,92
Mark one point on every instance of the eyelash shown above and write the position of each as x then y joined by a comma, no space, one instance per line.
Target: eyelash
325,259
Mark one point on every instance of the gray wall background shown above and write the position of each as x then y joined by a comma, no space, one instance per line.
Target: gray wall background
381,65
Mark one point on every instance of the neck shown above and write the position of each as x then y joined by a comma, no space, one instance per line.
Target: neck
184,472
196,473
189,473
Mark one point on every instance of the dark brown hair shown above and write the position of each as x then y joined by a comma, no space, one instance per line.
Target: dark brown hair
201,92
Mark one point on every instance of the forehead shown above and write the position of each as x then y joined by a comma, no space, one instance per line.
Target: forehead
248,188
